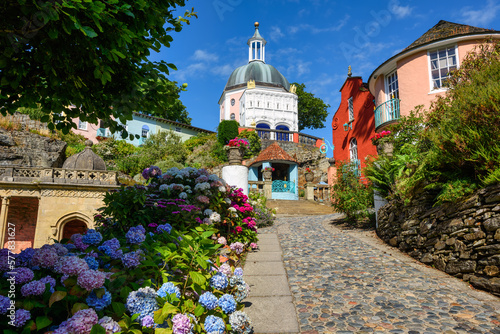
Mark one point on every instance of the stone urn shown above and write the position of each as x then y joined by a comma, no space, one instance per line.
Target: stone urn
385,148
267,175
309,177
235,155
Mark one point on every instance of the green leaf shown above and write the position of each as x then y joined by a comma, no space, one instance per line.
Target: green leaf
56,296
198,311
197,277
53,33
42,322
163,331
118,308
88,31
98,329
77,307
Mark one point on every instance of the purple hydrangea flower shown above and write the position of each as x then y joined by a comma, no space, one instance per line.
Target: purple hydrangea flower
62,329
99,303
33,288
60,249
70,265
92,237
111,248
238,271
82,321
219,281
4,259
21,317
77,240
208,300
109,325
50,280
214,325
132,259
237,247
225,268
91,279
142,301
227,303
44,257
22,275
181,324
167,289
148,321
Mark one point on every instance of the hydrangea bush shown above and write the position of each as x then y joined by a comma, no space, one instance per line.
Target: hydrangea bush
163,259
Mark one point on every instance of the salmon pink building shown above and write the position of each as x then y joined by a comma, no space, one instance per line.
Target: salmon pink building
353,124
417,75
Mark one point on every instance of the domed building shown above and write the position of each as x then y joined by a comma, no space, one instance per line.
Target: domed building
258,95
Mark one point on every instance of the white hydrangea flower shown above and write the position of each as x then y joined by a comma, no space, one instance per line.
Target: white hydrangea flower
215,217
207,212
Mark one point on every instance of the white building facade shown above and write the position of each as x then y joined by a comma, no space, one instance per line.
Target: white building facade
258,95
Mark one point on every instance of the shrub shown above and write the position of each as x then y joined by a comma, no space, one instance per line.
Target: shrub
263,215
254,141
349,195
227,130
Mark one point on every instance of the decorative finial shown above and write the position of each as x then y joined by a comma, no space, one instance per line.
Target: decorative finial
89,143
256,24
349,71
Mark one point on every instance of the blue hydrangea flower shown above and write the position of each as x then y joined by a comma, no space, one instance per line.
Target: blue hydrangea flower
23,259
4,304
50,280
208,300
240,323
111,248
227,303
148,321
93,264
135,236
69,247
167,289
92,237
143,302
164,228
219,281
21,317
99,303
132,259
214,325
238,271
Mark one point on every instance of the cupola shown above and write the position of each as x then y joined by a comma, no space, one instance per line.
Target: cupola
256,46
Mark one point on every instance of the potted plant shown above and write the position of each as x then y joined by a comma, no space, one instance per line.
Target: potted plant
381,141
267,173
236,150
309,175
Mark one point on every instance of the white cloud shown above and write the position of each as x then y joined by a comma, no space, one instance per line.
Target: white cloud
480,16
275,33
315,30
196,69
400,11
298,68
202,55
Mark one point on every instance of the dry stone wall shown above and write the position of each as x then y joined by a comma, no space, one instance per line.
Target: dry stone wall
461,239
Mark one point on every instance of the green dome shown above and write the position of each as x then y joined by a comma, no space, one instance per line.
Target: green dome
259,71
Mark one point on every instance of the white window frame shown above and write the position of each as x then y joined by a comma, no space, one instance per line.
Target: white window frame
145,133
353,150
232,116
433,90
82,125
388,87
350,108
178,129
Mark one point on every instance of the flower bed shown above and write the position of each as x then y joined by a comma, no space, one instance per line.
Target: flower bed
163,259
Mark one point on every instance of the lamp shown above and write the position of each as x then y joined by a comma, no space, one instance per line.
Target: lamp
347,126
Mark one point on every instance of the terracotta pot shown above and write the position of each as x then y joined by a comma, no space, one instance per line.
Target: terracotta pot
309,177
235,155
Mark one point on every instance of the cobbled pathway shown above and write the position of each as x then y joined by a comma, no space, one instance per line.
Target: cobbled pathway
341,284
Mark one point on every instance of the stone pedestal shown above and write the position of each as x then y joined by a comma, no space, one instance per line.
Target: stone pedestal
268,189
310,191
379,202
236,175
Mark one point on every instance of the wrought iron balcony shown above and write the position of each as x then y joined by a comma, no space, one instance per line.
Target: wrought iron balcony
103,132
387,112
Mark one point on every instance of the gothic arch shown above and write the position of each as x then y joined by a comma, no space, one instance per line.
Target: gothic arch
78,221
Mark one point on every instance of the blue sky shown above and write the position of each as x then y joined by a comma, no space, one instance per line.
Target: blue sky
309,41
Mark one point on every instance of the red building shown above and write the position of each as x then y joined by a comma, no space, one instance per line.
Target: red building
353,123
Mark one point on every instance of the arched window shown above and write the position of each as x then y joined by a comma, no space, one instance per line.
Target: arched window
145,130
353,149
72,227
263,134
282,136
233,116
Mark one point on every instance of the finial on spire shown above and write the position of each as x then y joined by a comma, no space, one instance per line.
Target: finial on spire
256,24
349,71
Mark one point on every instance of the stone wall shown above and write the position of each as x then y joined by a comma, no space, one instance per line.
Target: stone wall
461,239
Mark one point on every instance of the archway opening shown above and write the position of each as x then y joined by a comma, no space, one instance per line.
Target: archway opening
263,134
282,136
72,227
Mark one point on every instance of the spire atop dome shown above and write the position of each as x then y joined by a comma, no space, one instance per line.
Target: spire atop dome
256,50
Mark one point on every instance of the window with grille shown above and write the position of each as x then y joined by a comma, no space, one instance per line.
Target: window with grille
392,86
351,109
442,62
82,125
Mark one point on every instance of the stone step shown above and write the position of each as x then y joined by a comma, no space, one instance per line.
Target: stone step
299,208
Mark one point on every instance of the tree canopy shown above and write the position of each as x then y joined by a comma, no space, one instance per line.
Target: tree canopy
312,110
88,59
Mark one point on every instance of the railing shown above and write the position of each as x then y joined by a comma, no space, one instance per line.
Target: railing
283,186
256,186
354,166
322,193
57,175
387,112
282,135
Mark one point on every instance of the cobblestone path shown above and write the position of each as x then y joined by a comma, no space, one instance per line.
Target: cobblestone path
341,284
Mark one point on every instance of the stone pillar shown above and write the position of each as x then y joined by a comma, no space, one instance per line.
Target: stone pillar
3,219
310,191
236,175
268,189
379,202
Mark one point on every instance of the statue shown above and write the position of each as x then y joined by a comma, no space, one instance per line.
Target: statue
293,89
349,71
250,84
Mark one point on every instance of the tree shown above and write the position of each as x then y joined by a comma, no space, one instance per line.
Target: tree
86,59
312,110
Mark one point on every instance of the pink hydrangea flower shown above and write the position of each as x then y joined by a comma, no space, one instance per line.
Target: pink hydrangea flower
91,279
222,241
